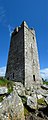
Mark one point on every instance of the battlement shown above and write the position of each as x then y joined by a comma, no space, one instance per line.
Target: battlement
24,24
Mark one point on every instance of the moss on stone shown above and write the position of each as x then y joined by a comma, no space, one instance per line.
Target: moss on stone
26,112
41,101
1,98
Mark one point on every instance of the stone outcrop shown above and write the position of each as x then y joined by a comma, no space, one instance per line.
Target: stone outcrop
19,88
12,108
3,90
44,86
32,102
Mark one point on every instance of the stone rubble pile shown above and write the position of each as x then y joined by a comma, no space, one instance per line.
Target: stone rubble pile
32,94
11,108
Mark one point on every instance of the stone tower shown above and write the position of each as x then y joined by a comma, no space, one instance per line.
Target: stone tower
23,62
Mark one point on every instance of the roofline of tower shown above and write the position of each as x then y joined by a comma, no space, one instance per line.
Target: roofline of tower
24,24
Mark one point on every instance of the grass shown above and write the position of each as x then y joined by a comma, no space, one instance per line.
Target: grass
41,101
26,112
24,99
1,98
6,83
45,82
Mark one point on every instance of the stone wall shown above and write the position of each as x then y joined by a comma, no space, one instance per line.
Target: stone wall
15,64
32,67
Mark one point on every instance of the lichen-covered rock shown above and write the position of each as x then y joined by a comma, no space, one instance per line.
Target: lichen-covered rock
46,100
3,90
19,88
44,86
12,108
32,101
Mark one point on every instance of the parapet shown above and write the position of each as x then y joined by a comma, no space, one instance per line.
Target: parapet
24,24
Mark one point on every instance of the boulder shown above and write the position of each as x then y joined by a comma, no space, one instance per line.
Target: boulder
3,90
42,92
44,86
39,96
12,108
19,88
46,100
32,101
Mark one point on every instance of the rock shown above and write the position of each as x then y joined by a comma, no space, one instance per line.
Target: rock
3,90
42,92
32,101
46,100
12,108
19,88
40,114
39,96
34,117
44,86
0,105
27,92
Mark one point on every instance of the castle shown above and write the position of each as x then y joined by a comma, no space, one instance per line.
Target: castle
23,62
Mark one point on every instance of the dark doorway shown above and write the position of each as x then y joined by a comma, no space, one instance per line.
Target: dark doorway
34,77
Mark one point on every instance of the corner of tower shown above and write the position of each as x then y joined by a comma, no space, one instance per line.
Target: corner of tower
24,24
33,30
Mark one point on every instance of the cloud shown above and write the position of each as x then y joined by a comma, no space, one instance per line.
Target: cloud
44,73
4,20
2,14
10,29
2,71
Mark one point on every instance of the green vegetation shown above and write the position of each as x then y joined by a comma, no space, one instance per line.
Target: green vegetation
9,84
26,112
1,98
45,82
24,99
41,101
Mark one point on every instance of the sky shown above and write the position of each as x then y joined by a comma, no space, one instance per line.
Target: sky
35,13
